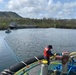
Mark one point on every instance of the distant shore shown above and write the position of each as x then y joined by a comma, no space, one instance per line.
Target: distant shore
24,27
38,23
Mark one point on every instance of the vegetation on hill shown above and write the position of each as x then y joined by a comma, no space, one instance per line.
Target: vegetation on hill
9,15
40,23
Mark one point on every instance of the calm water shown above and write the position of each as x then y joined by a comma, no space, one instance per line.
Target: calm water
7,57
26,43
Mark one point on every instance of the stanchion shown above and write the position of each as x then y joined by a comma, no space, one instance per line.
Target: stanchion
65,59
44,68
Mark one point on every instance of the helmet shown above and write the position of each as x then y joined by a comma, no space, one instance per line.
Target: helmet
50,46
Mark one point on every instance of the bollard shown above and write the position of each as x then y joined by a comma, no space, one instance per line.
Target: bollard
65,59
44,68
65,68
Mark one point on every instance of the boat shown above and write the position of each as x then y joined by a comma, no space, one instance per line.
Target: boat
8,31
61,64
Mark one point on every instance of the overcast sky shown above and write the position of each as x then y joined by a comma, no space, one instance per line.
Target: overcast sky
41,8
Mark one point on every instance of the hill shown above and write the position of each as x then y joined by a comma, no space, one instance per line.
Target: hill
9,15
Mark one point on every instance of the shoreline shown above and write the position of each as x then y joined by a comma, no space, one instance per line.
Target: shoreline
34,28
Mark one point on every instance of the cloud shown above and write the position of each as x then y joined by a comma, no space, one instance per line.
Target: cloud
1,1
67,10
42,8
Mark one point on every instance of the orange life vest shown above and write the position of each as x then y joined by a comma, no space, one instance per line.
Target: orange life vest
45,52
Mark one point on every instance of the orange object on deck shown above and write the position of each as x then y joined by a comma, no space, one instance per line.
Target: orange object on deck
65,53
58,57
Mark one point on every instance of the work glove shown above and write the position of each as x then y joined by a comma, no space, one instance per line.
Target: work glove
53,57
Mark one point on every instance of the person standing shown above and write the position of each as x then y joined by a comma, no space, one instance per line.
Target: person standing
48,53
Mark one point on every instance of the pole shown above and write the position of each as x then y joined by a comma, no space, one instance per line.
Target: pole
44,68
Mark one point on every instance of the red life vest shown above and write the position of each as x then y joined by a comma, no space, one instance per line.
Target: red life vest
45,52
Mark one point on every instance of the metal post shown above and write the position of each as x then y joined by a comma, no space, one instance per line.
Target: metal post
65,59
64,69
44,68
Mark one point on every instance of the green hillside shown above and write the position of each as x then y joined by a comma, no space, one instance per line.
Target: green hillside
9,15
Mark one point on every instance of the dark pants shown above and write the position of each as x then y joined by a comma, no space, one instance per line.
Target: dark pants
48,59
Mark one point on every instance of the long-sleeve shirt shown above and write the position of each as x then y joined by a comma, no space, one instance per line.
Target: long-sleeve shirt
50,53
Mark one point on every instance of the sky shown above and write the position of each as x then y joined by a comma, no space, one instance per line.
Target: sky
60,9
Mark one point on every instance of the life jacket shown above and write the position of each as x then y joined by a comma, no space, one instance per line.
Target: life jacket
45,52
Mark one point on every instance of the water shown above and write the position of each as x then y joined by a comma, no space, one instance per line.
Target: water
26,43
7,57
